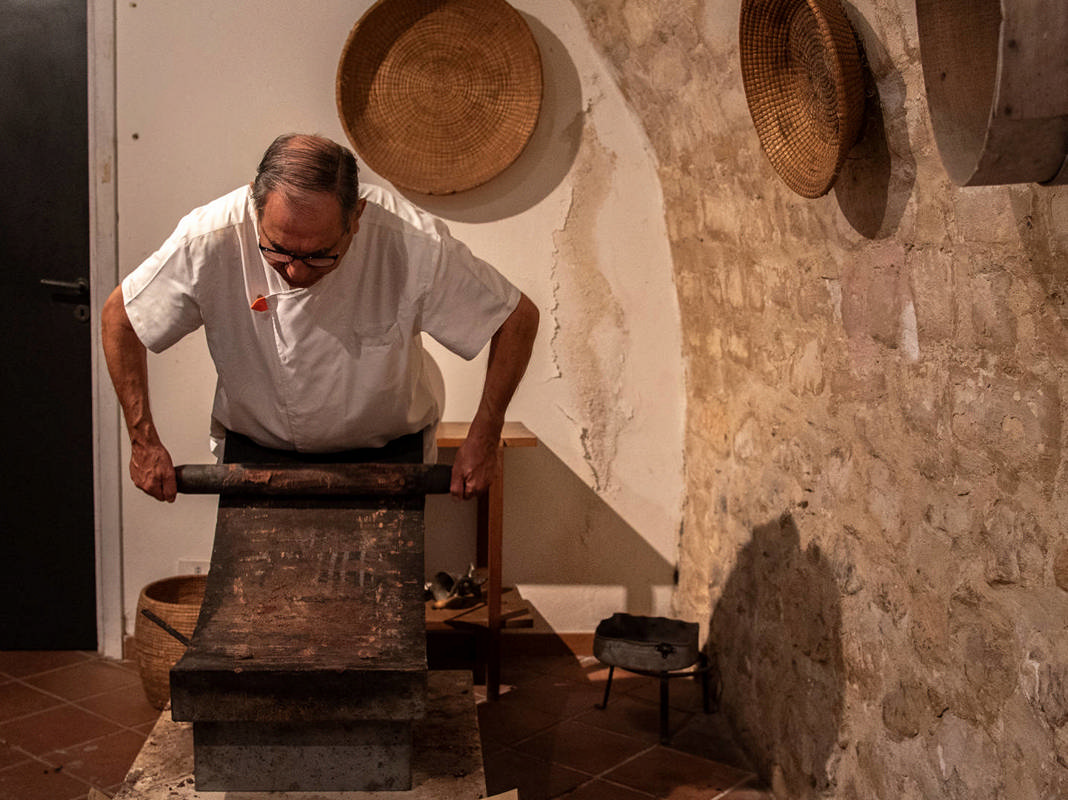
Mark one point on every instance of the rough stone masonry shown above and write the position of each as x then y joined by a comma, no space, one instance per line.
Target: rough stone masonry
874,533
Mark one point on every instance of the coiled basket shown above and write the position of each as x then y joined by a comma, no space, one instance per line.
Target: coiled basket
176,601
803,81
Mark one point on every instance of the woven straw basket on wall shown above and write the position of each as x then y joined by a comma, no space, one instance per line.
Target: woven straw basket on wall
177,602
439,96
803,81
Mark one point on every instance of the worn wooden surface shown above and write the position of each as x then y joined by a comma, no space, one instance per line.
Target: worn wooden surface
314,480
513,434
446,762
515,613
313,611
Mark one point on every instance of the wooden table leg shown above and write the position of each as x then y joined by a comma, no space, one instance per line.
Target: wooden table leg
490,535
490,539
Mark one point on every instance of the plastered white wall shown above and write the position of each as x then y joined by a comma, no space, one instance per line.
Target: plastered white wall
592,514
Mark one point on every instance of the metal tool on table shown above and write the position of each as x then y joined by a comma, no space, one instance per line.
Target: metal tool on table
445,591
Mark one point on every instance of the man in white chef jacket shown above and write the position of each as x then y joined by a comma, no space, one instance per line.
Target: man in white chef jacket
313,291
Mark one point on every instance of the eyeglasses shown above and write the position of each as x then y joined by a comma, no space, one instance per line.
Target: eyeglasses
280,258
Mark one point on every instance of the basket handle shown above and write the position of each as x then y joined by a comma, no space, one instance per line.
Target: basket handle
154,617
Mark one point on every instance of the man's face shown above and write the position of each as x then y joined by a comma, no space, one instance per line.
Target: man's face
312,228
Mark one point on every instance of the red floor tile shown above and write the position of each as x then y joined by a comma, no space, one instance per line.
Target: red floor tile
102,762
84,680
127,706
623,682
580,644
33,780
18,700
535,779
749,793
666,773
582,747
600,790
515,674
507,722
56,728
146,729
709,736
630,717
557,695
129,664
562,664
683,693
20,663
9,756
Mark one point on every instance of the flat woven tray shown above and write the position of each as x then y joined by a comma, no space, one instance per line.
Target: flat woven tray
439,96
805,87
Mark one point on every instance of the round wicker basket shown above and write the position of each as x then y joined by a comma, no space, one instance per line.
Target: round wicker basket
803,81
177,602
439,96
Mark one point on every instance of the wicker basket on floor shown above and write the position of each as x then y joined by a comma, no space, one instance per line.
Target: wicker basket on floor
177,602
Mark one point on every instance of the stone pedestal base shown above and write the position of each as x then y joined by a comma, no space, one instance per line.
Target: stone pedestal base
301,757
446,757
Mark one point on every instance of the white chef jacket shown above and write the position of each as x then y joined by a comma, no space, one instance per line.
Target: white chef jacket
335,366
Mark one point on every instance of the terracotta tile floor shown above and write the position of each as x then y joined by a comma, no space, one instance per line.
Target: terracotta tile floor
546,737
73,721
69,722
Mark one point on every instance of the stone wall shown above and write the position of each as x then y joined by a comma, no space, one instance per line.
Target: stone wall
874,447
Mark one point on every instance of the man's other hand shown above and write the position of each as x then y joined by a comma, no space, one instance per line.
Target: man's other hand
152,471
475,467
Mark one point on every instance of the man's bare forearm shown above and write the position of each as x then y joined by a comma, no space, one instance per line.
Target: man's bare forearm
127,359
509,355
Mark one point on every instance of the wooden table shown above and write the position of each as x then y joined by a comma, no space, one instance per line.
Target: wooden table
490,534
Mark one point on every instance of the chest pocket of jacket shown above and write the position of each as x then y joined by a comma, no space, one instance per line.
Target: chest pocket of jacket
373,338
381,366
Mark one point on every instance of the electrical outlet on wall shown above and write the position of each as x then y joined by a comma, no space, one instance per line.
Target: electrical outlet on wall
193,566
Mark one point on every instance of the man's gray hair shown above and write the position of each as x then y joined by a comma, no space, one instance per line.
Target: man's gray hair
297,164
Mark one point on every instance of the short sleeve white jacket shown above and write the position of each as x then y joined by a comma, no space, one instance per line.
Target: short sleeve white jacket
335,366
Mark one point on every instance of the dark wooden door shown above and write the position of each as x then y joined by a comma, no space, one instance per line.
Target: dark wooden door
47,548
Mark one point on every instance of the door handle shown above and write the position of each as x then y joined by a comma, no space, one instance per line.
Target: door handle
75,292
78,286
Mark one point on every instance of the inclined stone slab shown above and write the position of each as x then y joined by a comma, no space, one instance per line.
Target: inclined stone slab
313,612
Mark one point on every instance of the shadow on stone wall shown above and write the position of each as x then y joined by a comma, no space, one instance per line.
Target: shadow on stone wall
1045,244
776,636
876,180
